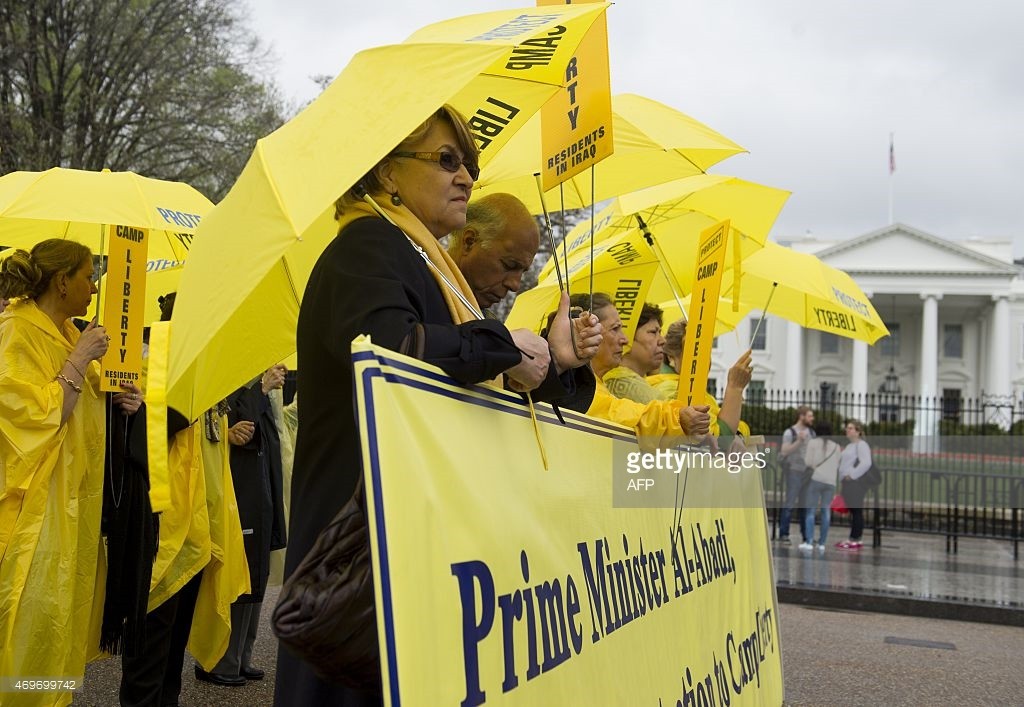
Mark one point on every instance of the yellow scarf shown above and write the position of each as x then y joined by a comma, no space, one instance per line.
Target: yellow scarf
418,234
443,265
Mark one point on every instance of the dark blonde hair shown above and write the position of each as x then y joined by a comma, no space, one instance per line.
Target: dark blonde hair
28,274
857,425
371,181
674,340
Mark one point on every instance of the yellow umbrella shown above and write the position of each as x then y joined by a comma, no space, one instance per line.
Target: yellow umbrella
726,320
77,204
804,290
161,277
626,268
239,299
675,214
653,144
622,269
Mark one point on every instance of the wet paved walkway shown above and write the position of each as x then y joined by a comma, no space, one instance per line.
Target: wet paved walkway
908,573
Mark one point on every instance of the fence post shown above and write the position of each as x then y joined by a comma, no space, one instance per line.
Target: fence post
876,534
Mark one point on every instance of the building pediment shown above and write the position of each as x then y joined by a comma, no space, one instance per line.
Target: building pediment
905,250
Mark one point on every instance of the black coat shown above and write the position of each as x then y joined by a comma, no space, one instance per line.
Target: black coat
369,280
257,478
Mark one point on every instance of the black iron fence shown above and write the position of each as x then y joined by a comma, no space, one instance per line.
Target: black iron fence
950,467
770,412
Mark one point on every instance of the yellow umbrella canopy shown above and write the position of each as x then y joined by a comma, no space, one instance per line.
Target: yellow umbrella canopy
77,204
807,291
673,209
623,269
676,213
257,247
162,277
726,320
653,144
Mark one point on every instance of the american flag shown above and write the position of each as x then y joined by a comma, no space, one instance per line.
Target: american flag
892,156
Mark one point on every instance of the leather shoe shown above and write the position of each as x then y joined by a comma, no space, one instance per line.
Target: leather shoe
222,680
252,673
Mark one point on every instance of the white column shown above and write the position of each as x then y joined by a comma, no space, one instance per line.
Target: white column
860,367
999,348
926,428
929,378
794,356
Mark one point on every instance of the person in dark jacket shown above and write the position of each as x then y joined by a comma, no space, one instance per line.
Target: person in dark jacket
257,478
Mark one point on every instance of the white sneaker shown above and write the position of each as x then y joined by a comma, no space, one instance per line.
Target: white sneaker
821,547
806,546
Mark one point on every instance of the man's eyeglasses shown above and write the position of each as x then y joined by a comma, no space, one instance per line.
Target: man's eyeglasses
449,161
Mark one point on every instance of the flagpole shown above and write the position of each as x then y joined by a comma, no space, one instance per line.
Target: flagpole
892,175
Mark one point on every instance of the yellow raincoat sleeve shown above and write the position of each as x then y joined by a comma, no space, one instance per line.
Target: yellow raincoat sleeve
51,494
227,576
666,385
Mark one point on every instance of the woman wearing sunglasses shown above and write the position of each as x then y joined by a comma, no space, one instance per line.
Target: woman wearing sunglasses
387,275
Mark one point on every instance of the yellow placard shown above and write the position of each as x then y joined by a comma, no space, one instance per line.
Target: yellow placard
700,328
576,124
124,306
516,585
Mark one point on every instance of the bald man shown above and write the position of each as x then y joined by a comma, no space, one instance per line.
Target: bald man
496,247
493,251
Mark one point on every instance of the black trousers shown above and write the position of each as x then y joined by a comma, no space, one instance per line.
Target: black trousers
856,523
153,679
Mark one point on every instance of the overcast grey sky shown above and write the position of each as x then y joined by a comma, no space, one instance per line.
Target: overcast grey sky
811,88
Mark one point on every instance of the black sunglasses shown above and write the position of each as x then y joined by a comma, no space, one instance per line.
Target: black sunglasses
449,161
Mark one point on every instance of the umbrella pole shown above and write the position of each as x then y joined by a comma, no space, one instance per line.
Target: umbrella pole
551,235
561,204
99,280
591,238
764,313
649,237
563,286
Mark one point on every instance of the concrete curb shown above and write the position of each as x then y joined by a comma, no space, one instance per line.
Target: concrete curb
888,603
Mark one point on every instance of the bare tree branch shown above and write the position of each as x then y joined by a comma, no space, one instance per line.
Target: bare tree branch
172,89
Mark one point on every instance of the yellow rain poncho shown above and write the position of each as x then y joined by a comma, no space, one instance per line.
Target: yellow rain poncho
227,575
184,527
52,567
656,424
199,526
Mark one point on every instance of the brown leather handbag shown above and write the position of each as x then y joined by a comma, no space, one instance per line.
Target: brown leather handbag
326,613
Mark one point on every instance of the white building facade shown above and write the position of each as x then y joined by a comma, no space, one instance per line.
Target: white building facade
955,310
